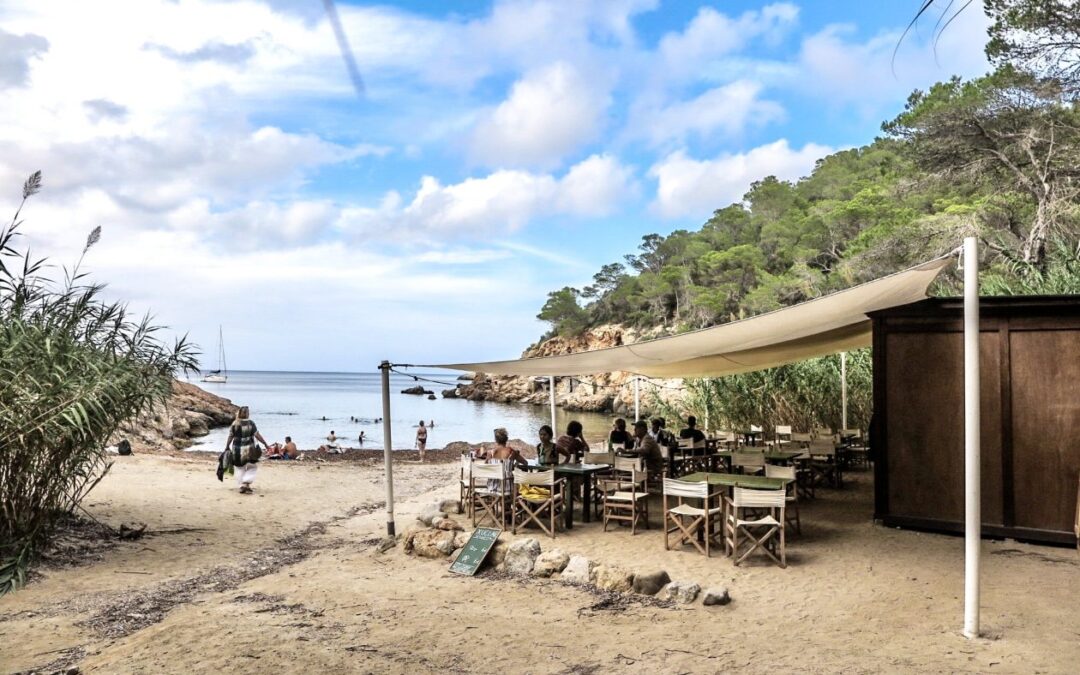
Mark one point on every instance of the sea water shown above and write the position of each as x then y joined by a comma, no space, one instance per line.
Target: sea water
308,406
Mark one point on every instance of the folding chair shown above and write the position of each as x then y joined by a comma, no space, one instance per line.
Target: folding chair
538,497
749,463
783,435
735,525
625,493
492,489
466,485
791,492
703,518
823,467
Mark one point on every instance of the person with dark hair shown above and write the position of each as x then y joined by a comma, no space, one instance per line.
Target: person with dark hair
691,431
421,439
647,448
663,437
547,453
619,435
572,443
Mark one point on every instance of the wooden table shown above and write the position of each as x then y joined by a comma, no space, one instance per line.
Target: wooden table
587,474
777,456
751,436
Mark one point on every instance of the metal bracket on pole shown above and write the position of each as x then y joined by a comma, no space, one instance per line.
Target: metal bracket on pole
972,440
387,447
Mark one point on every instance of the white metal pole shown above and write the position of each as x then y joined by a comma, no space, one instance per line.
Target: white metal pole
972,449
385,368
551,396
843,391
637,398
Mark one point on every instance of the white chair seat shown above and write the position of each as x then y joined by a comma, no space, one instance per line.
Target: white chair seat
687,510
767,520
626,496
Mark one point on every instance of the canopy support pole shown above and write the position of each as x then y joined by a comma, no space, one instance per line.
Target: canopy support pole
972,441
637,398
551,398
389,465
843,392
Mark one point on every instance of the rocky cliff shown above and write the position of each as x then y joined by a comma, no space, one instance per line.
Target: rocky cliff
603,392
189,413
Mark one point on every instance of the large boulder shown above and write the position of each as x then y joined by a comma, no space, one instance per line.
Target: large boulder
450,393
450,506
521,556
650,583
417,391
429,513
447,523
616,579
578,570
682,592
550,562
497,556
716,596
434,543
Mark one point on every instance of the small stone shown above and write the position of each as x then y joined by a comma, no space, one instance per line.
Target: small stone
682,592
578,570
613,579
450,506
385,544
498,553
448,524
716,596
455,554
651,583
429,513
434,543
550,562
521,556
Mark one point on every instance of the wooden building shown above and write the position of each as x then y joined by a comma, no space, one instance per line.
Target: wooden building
1030,382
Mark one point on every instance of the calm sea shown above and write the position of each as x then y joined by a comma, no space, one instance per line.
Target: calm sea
308,406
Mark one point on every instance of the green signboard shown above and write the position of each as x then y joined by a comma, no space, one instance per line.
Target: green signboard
480,543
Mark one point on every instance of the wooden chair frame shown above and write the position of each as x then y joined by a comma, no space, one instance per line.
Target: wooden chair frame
492,503
791,490
625,493
770,525
533,510
703,518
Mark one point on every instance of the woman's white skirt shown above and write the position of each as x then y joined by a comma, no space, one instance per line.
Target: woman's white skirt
245,473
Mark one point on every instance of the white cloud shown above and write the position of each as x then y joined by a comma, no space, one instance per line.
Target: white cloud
503,201
549,114
16,51
721,111
712,34
695,188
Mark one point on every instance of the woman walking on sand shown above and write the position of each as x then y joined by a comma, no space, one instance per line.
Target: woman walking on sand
421,439
241,448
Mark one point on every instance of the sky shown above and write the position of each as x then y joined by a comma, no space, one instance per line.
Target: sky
500,150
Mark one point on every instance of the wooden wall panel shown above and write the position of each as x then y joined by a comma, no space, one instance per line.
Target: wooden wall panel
925,429
1046,427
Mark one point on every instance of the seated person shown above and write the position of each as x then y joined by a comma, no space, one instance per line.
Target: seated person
547,453
647,448
289,451
691,431
619,435
572,443
665,438
502,451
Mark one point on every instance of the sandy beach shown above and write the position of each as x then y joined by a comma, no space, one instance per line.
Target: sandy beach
289,580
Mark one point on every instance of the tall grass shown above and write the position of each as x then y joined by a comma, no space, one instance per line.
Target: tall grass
805,394
73,367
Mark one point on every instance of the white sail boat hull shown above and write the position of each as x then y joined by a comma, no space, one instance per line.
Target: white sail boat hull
220,375
215,378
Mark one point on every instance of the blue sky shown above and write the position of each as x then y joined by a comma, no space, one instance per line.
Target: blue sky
502,150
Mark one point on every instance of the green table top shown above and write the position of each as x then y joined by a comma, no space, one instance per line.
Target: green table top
779,455
575,469
737,480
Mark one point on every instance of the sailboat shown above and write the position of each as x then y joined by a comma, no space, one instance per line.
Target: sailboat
221,375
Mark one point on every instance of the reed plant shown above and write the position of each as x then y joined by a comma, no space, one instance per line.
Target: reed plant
73,367
805,394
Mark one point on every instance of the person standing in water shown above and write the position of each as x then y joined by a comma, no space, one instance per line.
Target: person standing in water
241,445
421,439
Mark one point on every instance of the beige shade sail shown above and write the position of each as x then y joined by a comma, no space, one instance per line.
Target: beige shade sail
826,325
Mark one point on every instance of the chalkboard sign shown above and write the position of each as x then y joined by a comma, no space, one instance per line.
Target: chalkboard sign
480,543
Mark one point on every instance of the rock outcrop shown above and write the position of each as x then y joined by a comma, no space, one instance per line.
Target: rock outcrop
606,392
189,413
